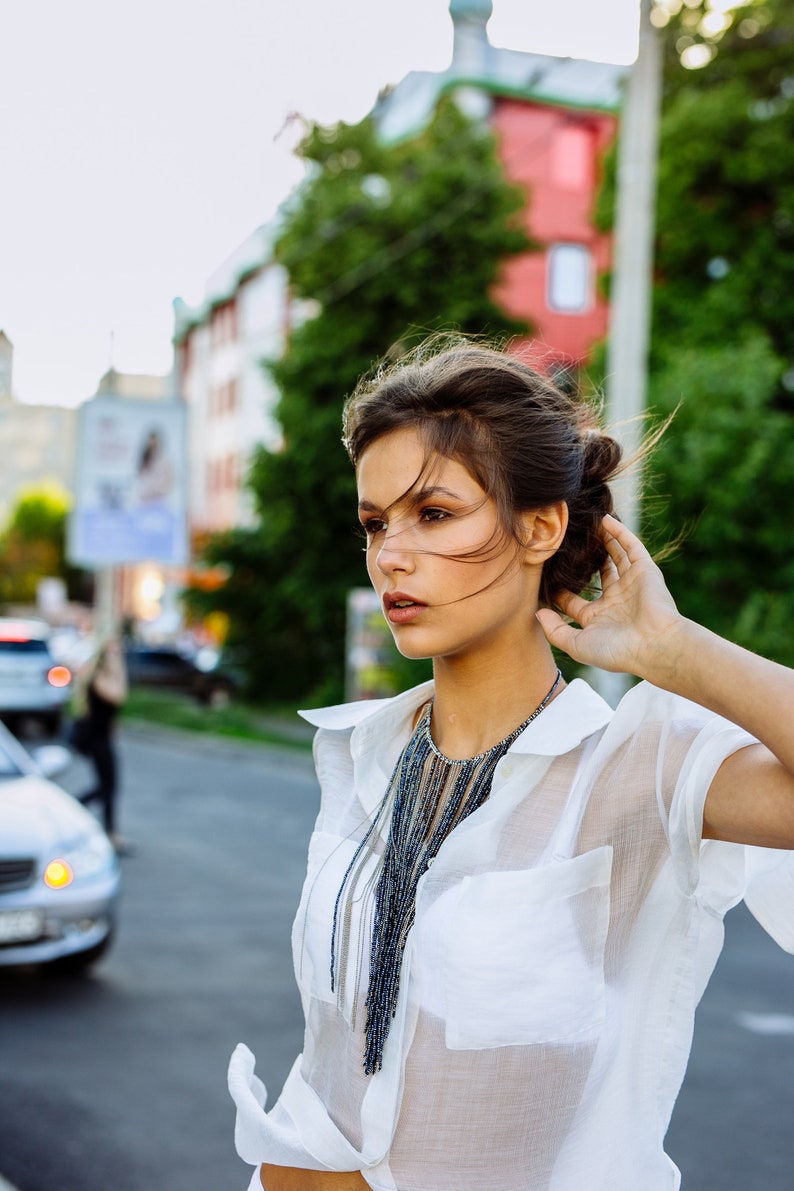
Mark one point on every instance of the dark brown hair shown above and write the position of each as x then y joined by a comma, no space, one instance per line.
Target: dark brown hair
527,443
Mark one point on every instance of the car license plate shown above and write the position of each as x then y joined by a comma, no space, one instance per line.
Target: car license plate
20,926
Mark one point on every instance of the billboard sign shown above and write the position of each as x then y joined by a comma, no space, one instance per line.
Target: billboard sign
130,501
371,655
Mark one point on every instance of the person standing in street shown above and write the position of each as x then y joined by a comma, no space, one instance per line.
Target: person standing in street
105,693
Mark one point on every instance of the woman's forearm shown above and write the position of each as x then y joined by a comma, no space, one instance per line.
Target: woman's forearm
746,689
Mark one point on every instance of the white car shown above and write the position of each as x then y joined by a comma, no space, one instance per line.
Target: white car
59,872
32,684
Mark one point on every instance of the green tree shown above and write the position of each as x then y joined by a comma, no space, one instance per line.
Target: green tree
722,350
383,244
723,475
725,211
32,544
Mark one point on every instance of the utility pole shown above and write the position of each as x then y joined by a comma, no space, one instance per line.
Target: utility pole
632,279
105,603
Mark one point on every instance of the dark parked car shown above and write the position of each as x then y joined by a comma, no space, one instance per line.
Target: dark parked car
167,668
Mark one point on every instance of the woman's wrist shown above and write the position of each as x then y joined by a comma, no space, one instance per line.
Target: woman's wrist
672,654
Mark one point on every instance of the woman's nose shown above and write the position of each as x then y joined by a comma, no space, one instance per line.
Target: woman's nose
394,555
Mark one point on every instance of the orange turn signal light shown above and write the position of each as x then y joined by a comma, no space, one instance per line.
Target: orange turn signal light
59,676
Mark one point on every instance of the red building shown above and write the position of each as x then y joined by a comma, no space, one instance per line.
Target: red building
555,153
554,118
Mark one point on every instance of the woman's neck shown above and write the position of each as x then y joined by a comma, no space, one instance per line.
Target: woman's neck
480,700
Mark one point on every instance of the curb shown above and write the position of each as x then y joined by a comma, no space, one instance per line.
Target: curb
210,744
298,738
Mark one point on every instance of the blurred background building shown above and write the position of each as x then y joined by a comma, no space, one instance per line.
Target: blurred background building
37,442
219,349
553,119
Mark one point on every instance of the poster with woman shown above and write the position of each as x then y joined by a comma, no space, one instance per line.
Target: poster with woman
130,484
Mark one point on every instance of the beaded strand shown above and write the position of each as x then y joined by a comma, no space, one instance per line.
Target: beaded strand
429,795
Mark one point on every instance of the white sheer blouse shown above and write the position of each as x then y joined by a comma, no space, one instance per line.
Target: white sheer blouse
563,938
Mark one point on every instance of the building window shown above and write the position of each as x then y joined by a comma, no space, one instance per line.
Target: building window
573,158
569,281
222,399
185,355
223,323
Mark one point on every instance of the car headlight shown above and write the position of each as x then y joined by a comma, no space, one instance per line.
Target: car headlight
88,858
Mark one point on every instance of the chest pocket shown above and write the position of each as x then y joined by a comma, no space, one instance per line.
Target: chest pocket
525,955
329,858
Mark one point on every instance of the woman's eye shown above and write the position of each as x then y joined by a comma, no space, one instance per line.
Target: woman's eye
435,515
373,526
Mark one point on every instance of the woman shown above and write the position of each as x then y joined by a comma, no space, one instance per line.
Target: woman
105,691
155,476
509,915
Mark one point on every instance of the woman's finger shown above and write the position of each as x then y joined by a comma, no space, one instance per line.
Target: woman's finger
629,544
558,632
573,605
618,554
609,574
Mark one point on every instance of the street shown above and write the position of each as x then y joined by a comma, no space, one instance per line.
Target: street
117,1081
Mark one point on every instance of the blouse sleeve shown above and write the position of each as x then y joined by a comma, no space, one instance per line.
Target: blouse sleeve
721,874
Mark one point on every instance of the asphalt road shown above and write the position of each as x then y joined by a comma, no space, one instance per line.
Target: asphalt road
116,1082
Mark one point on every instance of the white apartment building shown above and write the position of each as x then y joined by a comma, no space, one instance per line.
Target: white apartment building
219,351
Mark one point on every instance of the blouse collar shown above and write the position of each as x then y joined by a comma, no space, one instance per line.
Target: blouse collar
576,713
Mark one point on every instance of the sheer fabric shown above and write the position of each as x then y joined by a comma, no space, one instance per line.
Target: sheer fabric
563,937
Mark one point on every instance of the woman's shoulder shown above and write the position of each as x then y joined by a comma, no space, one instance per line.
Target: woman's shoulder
644,701
648,714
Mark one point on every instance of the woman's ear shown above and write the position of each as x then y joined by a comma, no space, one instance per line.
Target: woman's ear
544,530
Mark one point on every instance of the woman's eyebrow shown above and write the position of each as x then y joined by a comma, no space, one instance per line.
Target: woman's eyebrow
432,490
415,496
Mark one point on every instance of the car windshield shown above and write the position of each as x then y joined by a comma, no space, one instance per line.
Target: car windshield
32,645
8,766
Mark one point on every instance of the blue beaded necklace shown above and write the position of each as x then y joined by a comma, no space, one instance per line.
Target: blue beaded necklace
428,796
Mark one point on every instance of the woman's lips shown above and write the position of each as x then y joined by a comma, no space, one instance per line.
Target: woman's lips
404,615
401,609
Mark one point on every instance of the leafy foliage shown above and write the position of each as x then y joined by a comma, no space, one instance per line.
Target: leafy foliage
725,214
723,330
383,244
32,545
723,474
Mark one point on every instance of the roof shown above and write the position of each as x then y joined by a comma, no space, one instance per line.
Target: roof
570,82
255,252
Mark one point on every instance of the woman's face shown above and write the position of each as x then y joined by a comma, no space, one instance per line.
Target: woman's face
450,579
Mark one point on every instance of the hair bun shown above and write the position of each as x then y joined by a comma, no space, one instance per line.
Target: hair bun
583,551
602,455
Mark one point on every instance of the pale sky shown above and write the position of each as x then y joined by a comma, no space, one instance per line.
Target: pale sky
141,145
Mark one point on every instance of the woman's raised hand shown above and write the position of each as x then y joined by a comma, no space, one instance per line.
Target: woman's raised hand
627,627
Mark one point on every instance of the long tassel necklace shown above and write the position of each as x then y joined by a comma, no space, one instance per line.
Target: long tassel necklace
429,794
